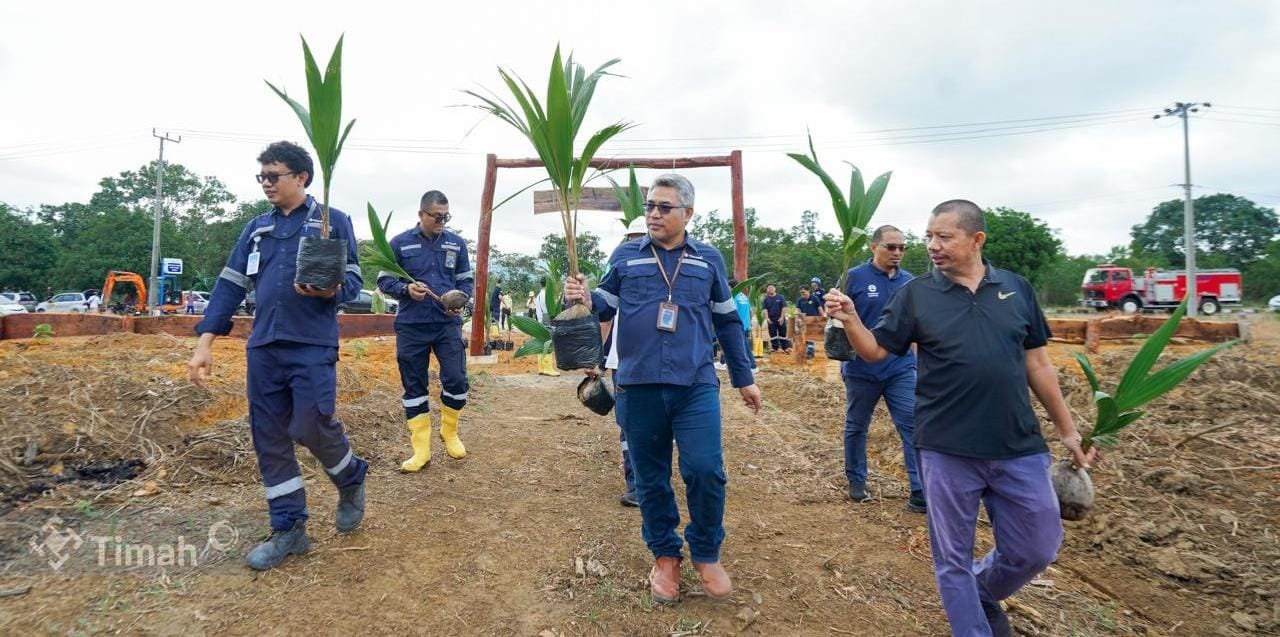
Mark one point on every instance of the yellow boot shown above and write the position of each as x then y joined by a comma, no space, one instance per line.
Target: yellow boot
547,365
449,432
420,438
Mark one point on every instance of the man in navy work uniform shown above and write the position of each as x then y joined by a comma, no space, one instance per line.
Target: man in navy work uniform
671,298
981,338
437,258
291,353
773,305
808,305
815,290
871,285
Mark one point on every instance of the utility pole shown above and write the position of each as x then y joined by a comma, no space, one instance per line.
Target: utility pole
1182,109
153,295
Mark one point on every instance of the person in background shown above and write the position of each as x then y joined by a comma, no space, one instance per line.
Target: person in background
773,305
815,290
807,305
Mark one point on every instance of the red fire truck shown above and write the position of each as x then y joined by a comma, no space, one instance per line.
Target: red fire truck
1111,286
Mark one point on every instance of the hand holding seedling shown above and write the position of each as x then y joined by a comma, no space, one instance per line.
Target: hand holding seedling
1080,458
315,292
839,306
575,290
417,291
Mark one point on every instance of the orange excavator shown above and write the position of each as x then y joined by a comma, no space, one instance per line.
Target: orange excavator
139,305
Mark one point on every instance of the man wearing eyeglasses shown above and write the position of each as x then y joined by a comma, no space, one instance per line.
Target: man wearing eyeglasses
670,295
437,259
291,353
871,285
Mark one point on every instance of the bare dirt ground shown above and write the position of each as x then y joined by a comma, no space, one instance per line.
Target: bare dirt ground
108,452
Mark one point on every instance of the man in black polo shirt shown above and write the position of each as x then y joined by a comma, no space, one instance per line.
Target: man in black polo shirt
980,337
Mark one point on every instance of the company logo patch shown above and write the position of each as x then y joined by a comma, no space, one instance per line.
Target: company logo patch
1005,295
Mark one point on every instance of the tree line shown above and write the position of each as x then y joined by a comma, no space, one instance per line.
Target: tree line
71,246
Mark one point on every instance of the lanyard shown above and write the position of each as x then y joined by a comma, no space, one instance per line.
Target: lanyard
669,281
311,211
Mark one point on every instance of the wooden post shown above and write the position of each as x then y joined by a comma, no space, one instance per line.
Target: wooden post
739,217
478,337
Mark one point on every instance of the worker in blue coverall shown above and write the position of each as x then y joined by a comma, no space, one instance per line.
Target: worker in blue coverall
291,352
437,258
671,297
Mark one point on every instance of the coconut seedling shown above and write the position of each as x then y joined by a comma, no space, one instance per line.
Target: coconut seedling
539,341
552,128
380,255
1138,386
630,200
43,333
854,214
321,260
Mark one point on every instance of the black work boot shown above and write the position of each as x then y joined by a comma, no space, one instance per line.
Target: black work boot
858,492
350,508
996,618
280,545
916,504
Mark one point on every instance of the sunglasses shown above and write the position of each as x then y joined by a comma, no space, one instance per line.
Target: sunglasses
894,247
272,178
663,208
440,217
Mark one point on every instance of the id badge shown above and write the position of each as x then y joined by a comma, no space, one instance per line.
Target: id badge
251,268
667,315
450,259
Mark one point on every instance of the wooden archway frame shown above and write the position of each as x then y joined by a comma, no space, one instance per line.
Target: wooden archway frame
733,160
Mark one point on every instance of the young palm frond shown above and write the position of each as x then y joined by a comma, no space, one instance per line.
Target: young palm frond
323,119
631,200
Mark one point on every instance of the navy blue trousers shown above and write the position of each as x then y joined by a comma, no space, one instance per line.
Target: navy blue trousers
654,417
292,389
861,396
415,343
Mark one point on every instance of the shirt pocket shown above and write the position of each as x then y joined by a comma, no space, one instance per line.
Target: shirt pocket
642,282
694,284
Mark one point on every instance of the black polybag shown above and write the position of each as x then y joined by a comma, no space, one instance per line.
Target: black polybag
835,343
596,395
576,342
322,263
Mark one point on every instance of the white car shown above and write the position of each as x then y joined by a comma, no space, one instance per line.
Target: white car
9,305
65,302
1274,303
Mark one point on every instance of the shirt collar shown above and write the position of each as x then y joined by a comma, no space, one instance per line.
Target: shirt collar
689,243
308,203
992,275
897,273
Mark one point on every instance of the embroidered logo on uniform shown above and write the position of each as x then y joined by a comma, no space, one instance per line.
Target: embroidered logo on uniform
411,246
1005,295
449,245
872,291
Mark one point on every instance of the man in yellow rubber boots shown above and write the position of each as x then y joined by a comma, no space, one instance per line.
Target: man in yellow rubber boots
438,261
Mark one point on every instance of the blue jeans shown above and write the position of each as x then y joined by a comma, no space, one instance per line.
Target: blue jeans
654,417
1024,519
861,396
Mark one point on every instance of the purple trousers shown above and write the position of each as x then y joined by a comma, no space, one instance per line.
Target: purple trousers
1024,518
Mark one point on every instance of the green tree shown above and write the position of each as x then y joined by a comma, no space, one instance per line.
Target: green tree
519,274
1060,282
29,251
553,250
1018,242
916,259
1231,231
1262,279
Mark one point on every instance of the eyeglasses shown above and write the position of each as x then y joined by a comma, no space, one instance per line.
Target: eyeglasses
663,208
442,217
894,247
272,178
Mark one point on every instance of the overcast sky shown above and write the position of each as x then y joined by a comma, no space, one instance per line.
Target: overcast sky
1059,99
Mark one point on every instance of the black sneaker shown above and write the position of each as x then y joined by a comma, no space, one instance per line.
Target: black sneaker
996,618
916,504
629,499
858,492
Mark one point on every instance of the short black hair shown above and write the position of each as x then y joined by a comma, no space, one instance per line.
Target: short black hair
292,155
432,197
879,233
970,215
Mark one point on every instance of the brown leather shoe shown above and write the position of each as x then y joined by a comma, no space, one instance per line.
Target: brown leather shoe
664,580
715,581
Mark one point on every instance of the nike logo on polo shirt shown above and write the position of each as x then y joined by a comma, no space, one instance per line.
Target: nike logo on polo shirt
1005,295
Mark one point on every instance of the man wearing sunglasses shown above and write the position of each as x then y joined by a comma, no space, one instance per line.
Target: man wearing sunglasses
437,259
669,296
291,353
871,285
